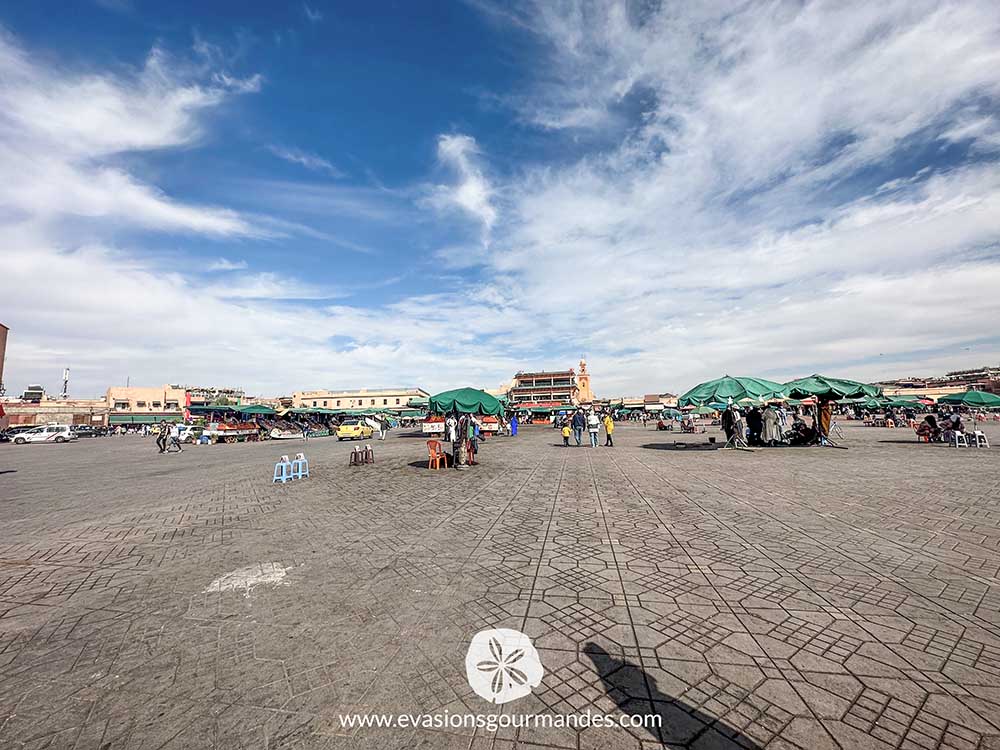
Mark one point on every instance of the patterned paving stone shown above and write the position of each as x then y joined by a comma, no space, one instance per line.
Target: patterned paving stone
787,598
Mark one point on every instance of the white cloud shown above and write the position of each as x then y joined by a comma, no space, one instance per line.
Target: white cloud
61,132
472,193
768,198
314,15
310,161
224,264
730,225
250,85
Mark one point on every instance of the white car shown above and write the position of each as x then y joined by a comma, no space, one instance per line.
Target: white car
50,433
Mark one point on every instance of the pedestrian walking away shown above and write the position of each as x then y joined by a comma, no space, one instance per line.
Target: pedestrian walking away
593,427
565,433
161,436
578,424
175,438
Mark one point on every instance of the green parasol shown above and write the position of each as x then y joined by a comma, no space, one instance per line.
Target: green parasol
255,409
704,410
828,389
725,388
980,399
465,401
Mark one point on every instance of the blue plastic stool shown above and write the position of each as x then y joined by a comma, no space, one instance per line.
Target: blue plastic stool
282,471
300,466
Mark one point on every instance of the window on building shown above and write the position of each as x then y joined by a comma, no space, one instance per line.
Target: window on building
338,402
140,404
385,402
172,404
373,402
121,404
156,404
324,403
397,402
315,404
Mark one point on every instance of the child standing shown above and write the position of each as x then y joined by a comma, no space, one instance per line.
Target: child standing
566,433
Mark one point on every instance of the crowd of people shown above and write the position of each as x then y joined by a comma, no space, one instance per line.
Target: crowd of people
589,421
770,425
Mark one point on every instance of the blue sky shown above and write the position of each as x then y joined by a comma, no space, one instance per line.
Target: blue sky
287,196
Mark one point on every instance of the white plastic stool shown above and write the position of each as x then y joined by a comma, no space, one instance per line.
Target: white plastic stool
282,471
960,440
300,466
980,440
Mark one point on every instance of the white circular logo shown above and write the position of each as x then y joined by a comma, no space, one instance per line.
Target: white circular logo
502,665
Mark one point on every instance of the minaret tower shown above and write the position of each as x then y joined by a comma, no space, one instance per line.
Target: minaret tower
585,395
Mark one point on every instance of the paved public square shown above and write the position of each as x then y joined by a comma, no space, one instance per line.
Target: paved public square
810,598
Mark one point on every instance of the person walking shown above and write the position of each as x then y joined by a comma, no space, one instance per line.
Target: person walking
729,423
578,424
175,438
772,433
513,426
609,429
161,436
755,425
593,427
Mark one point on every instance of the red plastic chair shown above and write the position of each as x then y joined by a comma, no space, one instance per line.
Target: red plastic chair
435,455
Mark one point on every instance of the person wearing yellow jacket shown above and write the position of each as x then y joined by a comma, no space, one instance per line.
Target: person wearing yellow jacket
609,429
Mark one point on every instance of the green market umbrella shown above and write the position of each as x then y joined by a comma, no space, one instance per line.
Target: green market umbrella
725,388
905,403
465,401
704,410
829,389
255,410
980,399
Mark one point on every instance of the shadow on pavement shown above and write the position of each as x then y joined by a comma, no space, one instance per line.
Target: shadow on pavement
913,442
422,464
682,446
681,724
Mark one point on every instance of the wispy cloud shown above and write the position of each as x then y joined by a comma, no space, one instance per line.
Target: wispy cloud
734,223
471,193
758,203
306,159
61,132
314,15
224,264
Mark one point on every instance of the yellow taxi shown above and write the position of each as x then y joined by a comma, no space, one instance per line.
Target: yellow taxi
354,430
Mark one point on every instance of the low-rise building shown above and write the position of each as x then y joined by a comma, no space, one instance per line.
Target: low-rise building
144,404
957,381
544,388
90,411
391,399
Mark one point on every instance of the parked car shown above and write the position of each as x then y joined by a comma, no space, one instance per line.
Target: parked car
190,433
50,433
11,432
354,430
19,428
84,430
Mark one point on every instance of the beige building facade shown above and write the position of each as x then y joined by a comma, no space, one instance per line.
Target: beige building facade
136,399
90,411
382,398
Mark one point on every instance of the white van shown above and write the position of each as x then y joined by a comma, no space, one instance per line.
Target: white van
50,433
